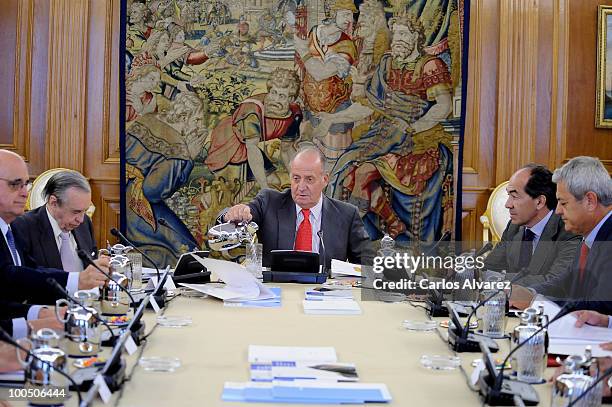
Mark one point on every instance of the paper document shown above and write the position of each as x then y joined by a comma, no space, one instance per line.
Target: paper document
566,338
343,268
336,372
240,285
331,307
262,354
307,392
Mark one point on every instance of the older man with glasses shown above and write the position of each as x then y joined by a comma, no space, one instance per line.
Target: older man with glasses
22,284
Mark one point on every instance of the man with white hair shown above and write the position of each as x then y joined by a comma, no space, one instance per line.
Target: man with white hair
584,194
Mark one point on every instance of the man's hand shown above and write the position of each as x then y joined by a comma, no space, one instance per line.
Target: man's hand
52,323
91,277
591,318
238,213
8,359
521,297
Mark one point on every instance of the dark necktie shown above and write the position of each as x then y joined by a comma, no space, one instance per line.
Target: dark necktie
526,248
10,239
584,253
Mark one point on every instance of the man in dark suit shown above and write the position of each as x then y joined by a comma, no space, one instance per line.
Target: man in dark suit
584,194
535,238
23,284
51,235
302,217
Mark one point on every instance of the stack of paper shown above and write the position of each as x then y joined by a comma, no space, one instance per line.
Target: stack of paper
240,285
281,374
566,339
274,302
325,301
321,293
332,307
307,392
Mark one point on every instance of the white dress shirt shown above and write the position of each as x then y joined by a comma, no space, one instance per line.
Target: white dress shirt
538,229
4,227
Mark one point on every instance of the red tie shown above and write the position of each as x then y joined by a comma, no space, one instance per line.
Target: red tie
584,252
303,239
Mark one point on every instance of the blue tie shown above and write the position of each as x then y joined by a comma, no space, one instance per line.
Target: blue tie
11,243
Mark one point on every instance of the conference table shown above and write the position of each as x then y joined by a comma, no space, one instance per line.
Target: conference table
214,350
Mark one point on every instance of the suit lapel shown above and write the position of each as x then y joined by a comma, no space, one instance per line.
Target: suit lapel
286,224
48,240
514,251
591,268
543,248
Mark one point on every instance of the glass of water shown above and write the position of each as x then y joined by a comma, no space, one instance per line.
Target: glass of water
531,357
254,259
494,314
136,260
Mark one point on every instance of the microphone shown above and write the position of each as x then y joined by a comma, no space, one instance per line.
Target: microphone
165,223
125,240
4,336
606,372
90,261
466,328
493,392
53,283
484,249
433,303
320,234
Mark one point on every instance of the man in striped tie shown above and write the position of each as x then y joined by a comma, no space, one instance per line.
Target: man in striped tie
303,218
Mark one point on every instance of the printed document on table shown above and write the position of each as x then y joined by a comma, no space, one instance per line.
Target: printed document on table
262,354
343,268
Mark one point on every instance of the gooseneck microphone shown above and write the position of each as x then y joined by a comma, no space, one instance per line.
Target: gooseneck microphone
484,249
606,372
493,391
90,261
566,309
53,283
4,336
320,234
466,328
127,241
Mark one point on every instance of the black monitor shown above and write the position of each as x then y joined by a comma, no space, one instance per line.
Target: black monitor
190,270
294,261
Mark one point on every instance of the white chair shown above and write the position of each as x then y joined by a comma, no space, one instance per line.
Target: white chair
496,217
36,198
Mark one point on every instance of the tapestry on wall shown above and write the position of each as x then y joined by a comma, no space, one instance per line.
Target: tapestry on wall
220,94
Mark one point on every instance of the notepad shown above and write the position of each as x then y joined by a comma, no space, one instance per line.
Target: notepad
331,307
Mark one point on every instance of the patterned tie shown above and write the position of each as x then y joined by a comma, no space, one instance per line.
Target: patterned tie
10,239
303,239
526,248
584,253
67,254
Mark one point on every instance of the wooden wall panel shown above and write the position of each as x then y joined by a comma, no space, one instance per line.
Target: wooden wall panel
9,30
582,137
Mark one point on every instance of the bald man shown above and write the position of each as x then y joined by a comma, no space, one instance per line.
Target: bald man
301,217
23,284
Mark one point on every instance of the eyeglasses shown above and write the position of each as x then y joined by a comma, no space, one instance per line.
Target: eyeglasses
17,184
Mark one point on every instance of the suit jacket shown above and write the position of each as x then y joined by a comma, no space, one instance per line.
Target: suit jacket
553,255
26,284
595,292
343,233
34,236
